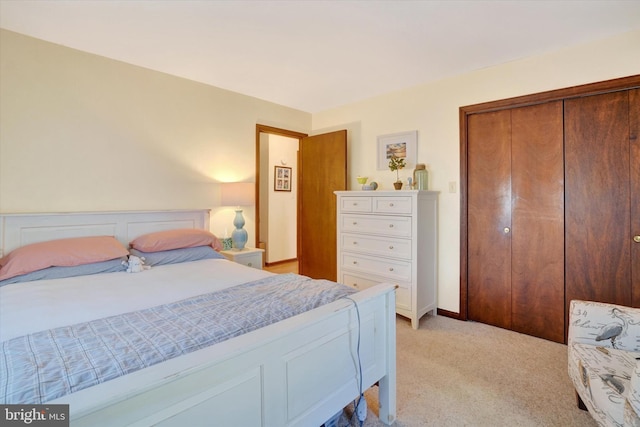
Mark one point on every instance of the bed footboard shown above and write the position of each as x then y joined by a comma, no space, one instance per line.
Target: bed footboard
298,372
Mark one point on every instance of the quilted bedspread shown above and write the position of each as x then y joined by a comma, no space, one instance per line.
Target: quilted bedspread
45,365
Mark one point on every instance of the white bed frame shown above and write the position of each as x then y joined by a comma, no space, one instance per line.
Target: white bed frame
297,372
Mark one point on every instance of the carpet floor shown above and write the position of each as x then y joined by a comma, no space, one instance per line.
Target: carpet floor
454,373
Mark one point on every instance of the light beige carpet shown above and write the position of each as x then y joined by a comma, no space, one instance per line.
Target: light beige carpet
454,373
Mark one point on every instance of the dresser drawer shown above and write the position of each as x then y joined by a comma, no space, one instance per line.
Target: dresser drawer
253,260
403,291
356,204
360,283
393,269
373,245
377,224
392,205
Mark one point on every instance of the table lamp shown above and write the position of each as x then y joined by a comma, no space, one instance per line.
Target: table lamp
238,194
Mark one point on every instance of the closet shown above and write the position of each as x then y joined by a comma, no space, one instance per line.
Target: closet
515,217
550,205
603,198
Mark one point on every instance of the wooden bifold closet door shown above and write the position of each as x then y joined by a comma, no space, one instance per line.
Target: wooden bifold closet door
515,217
603,191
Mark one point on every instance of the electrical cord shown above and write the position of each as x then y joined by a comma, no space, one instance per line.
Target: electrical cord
360,404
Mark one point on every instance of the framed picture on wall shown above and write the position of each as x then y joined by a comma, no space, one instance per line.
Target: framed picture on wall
282,178
403,144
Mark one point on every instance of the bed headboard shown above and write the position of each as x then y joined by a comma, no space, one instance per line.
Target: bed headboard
22,229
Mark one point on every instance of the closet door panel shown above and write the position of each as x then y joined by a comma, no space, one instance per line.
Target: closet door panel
634,140
597,191
489,212
537,239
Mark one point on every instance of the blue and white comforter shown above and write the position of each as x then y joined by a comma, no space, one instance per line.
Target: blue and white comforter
49,364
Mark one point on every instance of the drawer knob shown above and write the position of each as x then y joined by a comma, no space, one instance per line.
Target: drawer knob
249,264
390,225
355,242
355,262
391,247
355,204
355,223
390,268
391,204
355,285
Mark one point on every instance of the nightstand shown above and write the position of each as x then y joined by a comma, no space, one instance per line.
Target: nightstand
251,257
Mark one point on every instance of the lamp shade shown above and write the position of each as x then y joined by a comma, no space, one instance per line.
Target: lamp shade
237,194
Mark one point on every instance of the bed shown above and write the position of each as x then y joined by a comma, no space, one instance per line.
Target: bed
299,371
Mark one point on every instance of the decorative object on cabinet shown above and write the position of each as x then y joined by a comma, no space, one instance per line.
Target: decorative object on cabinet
421,177
238,194
282,178
396,164
227,243
371,186
251,257
363,181
389,238
403,144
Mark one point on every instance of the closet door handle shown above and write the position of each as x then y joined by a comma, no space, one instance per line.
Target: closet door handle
636,239
506,230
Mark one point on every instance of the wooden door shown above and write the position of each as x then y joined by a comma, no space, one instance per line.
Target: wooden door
537,212
597,186
323,170
489,218
634,140
516,220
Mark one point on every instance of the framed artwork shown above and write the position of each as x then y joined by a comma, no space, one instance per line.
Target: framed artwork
282,178
403,144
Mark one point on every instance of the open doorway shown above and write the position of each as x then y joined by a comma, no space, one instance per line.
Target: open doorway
321,169
277,172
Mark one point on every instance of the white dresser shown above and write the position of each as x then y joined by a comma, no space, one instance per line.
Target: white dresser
391,236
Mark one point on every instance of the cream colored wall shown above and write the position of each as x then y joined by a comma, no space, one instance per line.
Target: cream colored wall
80,132
432,109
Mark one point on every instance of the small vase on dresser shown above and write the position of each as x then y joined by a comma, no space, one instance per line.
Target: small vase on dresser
391,237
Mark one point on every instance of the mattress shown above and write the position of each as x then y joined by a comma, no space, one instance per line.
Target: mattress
30,307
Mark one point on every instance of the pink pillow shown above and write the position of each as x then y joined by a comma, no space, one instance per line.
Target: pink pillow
175,239
60,253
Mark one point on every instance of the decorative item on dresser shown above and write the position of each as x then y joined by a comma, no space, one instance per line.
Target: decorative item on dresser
396,164
388,237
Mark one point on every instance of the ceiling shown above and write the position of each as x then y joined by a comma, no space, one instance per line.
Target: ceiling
315,55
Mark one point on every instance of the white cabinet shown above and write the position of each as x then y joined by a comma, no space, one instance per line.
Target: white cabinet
251,257
391,236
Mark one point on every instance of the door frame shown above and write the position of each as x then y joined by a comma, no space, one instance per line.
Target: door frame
272,131
613,85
